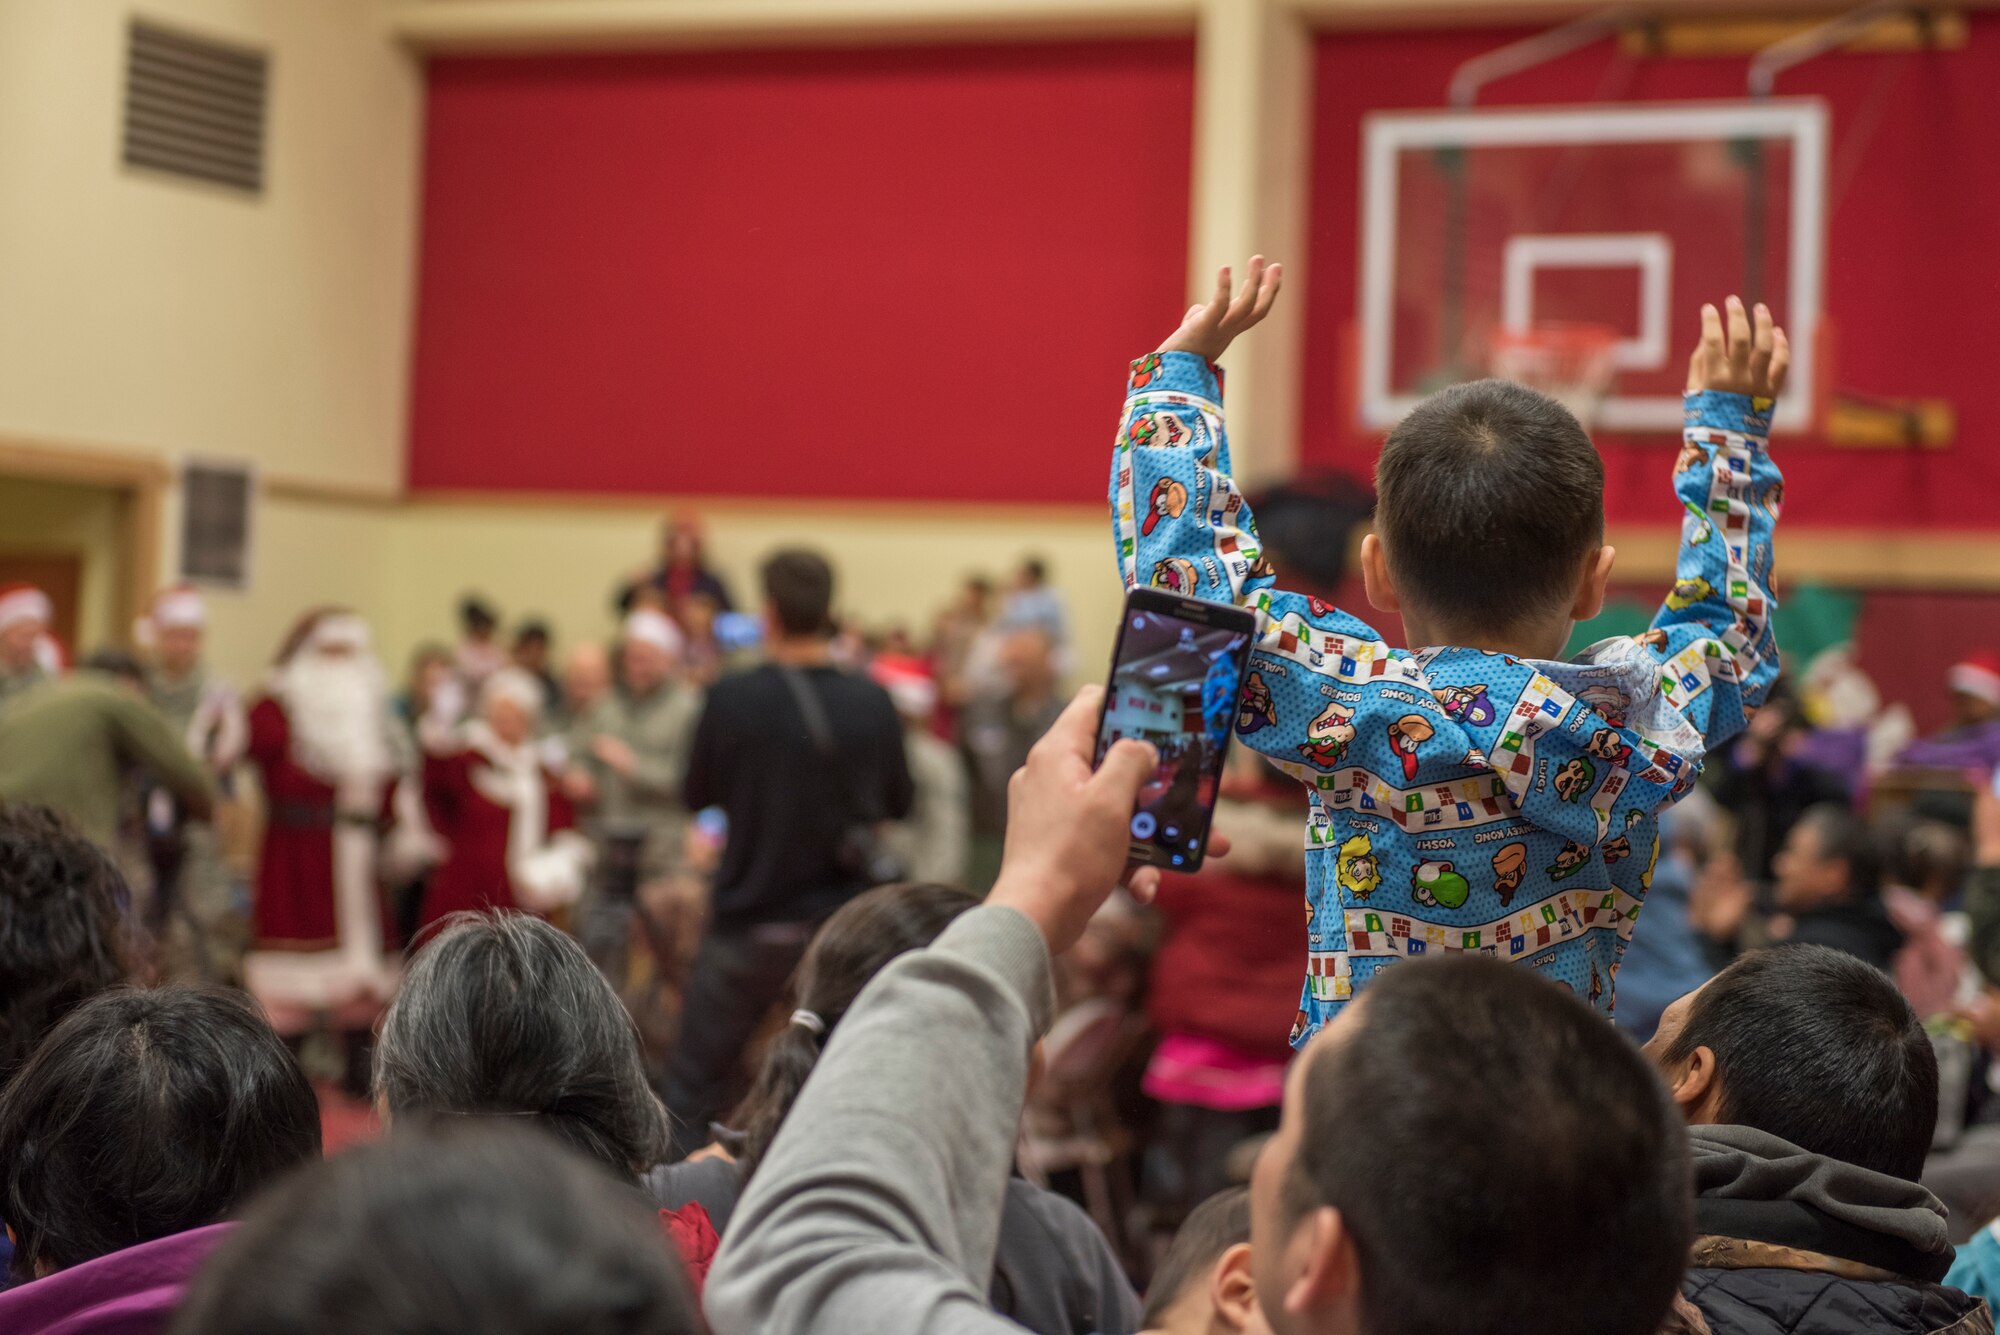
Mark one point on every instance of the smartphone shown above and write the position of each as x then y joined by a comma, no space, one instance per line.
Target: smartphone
1175,678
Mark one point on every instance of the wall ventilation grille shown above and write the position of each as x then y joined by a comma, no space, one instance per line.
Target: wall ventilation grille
195,107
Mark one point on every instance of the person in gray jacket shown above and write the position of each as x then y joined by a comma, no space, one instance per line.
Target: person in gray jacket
1468,1149
1053,1270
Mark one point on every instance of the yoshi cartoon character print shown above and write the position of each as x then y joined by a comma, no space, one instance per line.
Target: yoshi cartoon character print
1460,799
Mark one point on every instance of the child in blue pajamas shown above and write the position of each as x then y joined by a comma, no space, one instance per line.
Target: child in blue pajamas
1477,793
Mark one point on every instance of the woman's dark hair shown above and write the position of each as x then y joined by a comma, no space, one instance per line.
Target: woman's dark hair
850,948
502,1015
473,1229
62,938
147,1112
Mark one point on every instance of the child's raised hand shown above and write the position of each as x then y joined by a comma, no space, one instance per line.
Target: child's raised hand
1209,328
1736,358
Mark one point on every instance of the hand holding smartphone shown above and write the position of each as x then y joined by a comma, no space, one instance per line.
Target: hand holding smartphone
1176,675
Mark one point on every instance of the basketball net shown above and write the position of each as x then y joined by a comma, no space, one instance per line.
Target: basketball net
1571,363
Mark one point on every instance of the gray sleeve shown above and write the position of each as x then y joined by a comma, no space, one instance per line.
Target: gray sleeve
878,1206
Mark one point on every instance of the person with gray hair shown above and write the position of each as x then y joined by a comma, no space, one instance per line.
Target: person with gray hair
510,828
502,1015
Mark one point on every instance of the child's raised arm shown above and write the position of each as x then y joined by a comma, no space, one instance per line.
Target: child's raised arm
1713,635
1182,525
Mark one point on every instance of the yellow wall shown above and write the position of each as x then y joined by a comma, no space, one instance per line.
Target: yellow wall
152,314
150,311
894,565
54,517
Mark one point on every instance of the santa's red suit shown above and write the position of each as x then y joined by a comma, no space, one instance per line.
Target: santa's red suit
510,831
319,741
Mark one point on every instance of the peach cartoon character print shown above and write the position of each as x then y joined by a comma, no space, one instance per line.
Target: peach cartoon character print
1573,859
1357,870
1437,885
1692,455
1510,868
1255,711
1656,640
1772,499
1168,501
1146,370
1575,778
1617,850
1404,735
1176,575
1328,736
1161,430
1466,704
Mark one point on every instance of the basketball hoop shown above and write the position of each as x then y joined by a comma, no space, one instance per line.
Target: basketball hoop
1571,363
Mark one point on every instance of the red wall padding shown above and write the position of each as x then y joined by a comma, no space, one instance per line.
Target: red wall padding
1913,283
907,273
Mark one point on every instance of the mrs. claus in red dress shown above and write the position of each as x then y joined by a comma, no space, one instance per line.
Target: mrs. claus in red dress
510,831
320,740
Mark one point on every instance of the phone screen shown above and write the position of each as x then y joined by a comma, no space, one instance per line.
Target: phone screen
1175,678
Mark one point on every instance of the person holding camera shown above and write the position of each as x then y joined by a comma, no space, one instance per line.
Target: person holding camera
806,763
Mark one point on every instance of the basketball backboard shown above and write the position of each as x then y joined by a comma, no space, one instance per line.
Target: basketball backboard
1626,216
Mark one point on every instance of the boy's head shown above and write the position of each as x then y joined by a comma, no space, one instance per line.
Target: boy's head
1204,1283
1812,1046
1489,520
1539,1144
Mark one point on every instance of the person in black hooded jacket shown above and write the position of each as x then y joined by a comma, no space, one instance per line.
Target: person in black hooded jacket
1811,1093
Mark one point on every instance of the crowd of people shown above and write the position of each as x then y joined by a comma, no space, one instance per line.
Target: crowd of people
754,972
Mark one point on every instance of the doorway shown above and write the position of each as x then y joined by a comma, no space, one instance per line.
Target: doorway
84,527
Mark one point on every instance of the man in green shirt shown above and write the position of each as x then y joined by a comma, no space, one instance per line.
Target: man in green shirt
198,910
67,743
631,755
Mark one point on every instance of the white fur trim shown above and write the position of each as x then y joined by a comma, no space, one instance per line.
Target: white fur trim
179,609
354,974
545,872
1976,681
24,605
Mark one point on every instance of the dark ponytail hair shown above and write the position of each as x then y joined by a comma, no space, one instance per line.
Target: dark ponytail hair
850,948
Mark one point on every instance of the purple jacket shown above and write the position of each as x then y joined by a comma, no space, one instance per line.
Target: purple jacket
129,1292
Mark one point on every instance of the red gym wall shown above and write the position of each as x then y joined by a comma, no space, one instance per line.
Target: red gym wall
902,273
1914,186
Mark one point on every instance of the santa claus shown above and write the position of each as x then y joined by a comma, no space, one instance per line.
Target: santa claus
320,739
503,814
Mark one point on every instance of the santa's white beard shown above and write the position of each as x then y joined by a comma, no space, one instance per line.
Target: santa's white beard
338,711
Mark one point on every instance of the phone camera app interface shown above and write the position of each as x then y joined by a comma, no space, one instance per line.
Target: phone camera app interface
1175,685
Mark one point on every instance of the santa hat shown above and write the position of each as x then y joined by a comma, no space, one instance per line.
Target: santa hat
645,626
23,602
909,683
1977,676
325,628
177,608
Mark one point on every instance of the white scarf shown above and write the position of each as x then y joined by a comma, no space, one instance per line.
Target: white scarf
546,872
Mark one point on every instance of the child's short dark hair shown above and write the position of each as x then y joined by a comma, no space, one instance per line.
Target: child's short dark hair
1489,496
1211,1228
